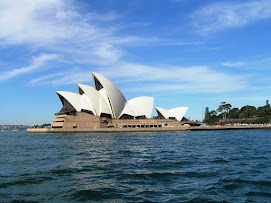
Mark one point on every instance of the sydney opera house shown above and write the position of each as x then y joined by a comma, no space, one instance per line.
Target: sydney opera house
104,106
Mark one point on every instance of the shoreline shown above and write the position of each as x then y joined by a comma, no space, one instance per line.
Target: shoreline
102,130
167,129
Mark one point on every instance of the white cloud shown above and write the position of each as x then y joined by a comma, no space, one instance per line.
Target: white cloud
58,25
164,79
233,64
41,79
24,21
72,76
179,79
36,63
63,26
82,38
220,16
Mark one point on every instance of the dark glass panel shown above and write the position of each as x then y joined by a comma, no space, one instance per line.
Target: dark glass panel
98,85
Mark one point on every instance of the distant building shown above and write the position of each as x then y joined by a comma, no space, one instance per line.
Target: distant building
104,106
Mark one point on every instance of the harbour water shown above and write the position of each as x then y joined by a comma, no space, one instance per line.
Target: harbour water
195,166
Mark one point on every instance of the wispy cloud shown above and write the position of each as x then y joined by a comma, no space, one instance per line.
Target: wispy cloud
40,80
36,63
58,25
64,27
233,64
72,76
220,16
86,38
179,79
192,79
54,24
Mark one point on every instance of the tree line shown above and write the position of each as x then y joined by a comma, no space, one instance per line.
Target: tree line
225,114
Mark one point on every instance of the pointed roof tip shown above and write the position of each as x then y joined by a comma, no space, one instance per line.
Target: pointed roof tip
59,92
156,107
98,75
94,75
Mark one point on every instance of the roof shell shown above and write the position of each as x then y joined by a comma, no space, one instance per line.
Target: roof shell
73,98
85,103
142,106
115,97
105,103
127,110
94,99
178,112
162,111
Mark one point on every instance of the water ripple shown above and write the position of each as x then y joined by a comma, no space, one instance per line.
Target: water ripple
219,166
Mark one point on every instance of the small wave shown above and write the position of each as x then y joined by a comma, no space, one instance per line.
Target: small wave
127,152
184,162
102,194
167,175
143,177
88,195
262,194
23,201
203,200
25,181
253,182
70,170
219,161
193,174
62,171
231,186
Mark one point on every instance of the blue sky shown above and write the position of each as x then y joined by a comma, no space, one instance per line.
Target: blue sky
181,52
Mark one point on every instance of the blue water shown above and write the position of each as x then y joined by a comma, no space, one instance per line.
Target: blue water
209,166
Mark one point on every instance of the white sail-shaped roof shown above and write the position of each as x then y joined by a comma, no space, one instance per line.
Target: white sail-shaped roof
116,99
73,98
85,104
162,111
127,110
178,112
95,99
106,98
142,106
106,103
92,97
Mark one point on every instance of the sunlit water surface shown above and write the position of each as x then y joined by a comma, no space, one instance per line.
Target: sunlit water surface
215,166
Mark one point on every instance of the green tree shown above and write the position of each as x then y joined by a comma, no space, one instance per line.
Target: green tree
207,113
224,109
213,113
247,112
264,111
233,113
212,118
227,107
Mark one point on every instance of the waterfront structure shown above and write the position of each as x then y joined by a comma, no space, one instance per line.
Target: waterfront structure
104,106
